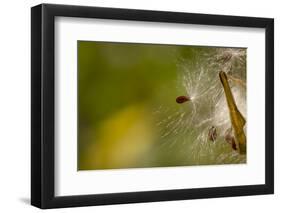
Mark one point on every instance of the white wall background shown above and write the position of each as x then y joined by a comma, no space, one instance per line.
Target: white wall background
15,105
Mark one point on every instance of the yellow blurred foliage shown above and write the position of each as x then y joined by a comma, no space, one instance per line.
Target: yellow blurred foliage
122,139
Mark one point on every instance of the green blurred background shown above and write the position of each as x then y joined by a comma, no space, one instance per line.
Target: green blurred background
125,91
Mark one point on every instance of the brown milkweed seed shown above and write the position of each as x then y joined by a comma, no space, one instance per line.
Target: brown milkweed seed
182,99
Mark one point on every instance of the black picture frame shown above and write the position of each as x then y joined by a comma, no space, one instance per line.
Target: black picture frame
43,102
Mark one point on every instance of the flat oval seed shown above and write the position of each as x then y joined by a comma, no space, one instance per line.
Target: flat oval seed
182,99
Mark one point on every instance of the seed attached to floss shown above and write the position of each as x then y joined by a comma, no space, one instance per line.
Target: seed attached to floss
229,138
212,135
182,99
225,58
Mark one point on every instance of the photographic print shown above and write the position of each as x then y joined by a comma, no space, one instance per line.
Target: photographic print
121,97
159,105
